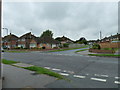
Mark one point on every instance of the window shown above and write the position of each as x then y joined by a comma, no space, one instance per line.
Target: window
23,39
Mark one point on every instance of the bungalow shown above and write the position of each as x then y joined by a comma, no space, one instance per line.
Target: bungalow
9,41
64,40
44,42
24,40
111,38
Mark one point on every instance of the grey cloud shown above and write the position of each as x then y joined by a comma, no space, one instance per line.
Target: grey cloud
73,20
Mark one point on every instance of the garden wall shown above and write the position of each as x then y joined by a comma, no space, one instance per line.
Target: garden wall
109,44
101,51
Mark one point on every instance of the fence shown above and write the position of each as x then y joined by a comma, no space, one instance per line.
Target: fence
110,45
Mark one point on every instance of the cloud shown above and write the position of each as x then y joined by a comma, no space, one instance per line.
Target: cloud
71,19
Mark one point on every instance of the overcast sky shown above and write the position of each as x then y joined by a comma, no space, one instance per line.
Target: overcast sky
71,19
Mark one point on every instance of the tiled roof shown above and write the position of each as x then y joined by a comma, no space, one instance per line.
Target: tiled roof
46,39
10,37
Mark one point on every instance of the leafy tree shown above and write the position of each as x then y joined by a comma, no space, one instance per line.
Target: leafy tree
47,33
82,40
96,46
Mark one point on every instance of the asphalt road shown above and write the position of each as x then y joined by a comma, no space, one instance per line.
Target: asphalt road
83,71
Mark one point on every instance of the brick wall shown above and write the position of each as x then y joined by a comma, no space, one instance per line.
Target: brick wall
110,45
101,51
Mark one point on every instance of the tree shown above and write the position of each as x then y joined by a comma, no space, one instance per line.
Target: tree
47,33
82,40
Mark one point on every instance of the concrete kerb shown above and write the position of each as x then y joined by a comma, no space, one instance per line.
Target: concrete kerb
22,65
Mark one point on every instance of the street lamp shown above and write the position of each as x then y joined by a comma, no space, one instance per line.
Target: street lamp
6,29
7,34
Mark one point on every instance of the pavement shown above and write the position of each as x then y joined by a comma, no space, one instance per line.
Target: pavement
20,78
83,71
85,52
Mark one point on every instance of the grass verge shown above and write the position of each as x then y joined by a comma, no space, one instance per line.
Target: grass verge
41,70
17,51
108,55
81,50
67,49
4,61
37,69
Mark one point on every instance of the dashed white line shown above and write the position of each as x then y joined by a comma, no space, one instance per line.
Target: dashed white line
64,74
104,75
117,77
98,79
56,69
78,76
117,82
47,67
101,75
64,71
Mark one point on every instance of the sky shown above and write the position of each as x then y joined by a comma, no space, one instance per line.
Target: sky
71,19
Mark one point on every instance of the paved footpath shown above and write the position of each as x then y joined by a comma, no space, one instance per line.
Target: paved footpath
20,78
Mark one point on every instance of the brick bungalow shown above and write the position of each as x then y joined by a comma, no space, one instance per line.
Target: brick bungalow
46,42
24,40
111,41
10,41
64,40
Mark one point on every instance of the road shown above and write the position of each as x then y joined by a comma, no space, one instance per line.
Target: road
83,71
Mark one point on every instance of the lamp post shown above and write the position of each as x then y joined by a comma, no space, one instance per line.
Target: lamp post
6,30
7,35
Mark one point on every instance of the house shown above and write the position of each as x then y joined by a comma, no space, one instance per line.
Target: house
24,40
64,40
10,41
44,42
112,41
111,38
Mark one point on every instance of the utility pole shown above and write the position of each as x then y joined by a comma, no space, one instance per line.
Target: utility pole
100,35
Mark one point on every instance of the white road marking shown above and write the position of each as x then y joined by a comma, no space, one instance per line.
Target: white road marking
104,75
47,67
64,74
98,79
117,82
101,75
56,69
78,76
64,71
117,77
71,72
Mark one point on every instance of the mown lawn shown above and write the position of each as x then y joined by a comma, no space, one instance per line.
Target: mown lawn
17,51
108,55
10,62
39,70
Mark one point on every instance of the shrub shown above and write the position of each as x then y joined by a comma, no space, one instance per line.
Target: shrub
43,47
96,46
17,48
65,45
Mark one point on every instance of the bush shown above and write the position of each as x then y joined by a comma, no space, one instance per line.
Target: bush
96,46
17,48
66,45
43,47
